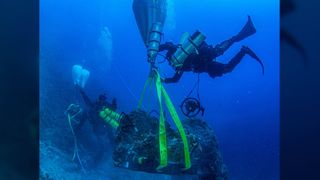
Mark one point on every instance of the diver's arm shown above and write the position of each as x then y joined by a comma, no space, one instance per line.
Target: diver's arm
86,99
169,46
175,78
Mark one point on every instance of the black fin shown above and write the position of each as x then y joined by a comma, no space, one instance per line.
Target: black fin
246,31
254,56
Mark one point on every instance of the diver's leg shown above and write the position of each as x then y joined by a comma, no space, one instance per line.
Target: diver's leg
238,57
246,31
215,69
222,47
234,62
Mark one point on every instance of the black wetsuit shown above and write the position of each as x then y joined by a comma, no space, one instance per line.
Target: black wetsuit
205,59
102,131
98,125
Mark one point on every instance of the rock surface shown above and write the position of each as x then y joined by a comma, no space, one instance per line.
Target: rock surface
137,147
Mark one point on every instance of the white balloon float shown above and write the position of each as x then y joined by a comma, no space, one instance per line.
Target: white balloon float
80,75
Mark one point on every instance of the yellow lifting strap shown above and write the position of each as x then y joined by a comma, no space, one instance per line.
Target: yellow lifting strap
179,125
162,129
148,83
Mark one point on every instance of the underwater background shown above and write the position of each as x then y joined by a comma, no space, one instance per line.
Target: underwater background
242,107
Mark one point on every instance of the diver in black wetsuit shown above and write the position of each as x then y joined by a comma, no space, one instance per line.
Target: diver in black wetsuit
202,58
99,127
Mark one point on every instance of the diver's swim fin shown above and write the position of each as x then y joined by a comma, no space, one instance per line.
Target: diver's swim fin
246,31
248,51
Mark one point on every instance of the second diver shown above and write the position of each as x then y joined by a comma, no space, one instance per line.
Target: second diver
194,54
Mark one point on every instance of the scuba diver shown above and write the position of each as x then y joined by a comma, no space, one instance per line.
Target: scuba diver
101,129
100,114
194,54
80,77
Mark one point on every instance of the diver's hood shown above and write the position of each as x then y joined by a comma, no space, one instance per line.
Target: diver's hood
148,12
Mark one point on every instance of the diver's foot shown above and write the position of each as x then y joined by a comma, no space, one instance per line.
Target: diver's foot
248,51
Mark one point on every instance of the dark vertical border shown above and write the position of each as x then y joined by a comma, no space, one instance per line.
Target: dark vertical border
19,49
19,89
300,92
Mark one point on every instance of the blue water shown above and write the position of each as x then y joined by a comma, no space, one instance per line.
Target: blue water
242,107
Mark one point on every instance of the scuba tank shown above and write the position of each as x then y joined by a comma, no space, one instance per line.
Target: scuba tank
110,117
154,41
187,47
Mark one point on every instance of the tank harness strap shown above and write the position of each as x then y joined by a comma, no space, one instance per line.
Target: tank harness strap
185,51
191,41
